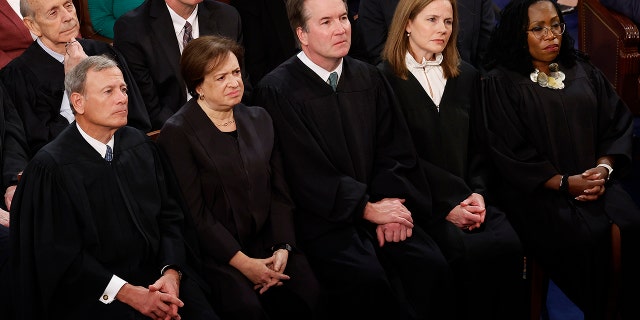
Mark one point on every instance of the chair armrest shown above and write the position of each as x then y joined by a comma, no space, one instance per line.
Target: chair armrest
611,40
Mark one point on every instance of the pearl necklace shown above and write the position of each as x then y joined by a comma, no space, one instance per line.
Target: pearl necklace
553,80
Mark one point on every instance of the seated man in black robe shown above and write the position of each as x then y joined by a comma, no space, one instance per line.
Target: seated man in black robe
354,176
35,79
96,228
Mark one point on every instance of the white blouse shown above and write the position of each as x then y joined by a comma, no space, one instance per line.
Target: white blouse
430,76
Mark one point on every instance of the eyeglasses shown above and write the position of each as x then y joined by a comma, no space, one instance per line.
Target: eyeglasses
540,32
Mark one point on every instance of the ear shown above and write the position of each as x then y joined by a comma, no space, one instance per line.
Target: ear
77,102
408,27
33,26
302,36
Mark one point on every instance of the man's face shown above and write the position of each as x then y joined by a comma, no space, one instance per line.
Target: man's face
103,106
54,21
327,37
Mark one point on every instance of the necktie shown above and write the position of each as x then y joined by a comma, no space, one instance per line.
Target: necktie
109,155
186,37
333,80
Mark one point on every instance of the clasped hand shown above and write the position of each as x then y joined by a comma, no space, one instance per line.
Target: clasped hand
160,301
589,185
263,273
469,214
393,219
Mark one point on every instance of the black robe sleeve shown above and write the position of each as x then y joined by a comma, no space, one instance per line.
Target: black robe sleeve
47,246
14,142
328,193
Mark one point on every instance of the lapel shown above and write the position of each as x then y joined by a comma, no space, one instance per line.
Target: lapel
207,21
162,29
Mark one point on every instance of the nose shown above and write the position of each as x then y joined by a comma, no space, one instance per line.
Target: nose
68,14
122,97
442,26
342,26
235,81
548,34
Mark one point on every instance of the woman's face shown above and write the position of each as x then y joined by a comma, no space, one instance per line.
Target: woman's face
430,29
545,49
222,87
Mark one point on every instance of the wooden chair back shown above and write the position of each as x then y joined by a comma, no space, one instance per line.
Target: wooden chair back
611,40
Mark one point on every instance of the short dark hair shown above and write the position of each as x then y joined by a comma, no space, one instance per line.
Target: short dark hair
508,46
204,54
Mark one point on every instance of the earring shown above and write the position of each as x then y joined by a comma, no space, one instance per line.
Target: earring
408,34
201,96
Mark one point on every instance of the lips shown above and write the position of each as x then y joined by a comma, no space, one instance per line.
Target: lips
553,47
233,93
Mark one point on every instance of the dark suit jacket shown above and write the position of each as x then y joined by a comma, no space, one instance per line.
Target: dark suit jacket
234,190
146,38
476,19
15,36
268,38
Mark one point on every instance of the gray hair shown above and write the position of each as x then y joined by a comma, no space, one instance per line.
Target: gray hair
76,79
25,9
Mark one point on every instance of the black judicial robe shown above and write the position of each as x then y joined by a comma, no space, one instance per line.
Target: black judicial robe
35,83
237,197
341,149
13,158
13,143
76,220
450,152
535,133
445,141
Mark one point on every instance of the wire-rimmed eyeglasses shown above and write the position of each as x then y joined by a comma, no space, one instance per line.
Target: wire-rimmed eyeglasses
540,31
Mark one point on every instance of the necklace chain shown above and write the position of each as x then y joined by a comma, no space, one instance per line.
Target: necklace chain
225,124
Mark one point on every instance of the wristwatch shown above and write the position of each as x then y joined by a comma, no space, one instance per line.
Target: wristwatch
172,267
285,246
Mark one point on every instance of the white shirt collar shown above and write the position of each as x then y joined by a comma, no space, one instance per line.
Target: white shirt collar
412,63
178,24
52,53
322,73
100,147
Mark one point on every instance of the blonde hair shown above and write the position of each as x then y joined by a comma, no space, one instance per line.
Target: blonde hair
397,45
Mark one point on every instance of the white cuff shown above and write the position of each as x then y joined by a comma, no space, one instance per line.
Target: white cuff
112,289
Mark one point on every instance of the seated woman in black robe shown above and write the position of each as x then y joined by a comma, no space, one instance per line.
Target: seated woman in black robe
438,94
230,176
560,136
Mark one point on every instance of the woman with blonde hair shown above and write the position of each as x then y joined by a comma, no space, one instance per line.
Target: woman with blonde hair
438,94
